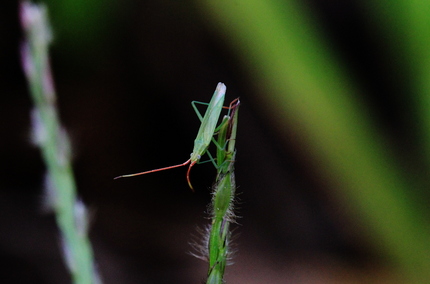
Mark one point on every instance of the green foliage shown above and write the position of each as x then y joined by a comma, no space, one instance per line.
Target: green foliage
308,91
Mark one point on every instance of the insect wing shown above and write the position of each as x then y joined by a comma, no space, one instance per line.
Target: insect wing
210,119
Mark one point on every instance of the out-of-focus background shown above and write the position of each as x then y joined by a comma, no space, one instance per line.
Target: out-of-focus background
333,140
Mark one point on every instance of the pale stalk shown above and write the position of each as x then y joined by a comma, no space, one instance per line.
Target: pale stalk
51,137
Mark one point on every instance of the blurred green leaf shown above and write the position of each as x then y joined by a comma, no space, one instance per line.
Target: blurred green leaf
309,92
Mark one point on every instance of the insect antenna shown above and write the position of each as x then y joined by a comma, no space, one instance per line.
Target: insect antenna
159,170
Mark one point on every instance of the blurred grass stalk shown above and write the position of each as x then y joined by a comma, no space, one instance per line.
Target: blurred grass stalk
306,91
51,137
406,27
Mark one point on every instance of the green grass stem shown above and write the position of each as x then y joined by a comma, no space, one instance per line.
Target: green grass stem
223,200
51,137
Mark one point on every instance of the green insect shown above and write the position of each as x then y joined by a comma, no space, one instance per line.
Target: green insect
204,136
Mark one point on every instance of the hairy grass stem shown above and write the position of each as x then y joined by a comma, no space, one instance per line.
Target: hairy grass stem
223,200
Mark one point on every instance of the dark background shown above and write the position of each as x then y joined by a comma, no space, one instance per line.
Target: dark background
125,74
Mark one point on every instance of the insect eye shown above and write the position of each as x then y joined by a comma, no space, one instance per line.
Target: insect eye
198,157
